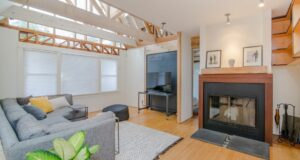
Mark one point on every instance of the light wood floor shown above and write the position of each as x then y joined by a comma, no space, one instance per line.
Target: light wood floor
191,149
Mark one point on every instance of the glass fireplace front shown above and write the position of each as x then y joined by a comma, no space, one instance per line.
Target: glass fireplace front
233,110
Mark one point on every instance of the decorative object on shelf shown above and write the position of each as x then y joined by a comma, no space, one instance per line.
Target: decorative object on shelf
253,56
231,62
73,148
213,59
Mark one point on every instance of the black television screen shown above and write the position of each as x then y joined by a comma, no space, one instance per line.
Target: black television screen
152,80
164,78
159,81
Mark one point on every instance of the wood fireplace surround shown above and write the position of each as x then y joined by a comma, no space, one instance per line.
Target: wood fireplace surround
261,78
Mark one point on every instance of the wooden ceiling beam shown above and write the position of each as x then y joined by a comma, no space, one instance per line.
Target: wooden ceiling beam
70,2
108,11
47,20
97,7
166,39
4,21
102,6
63,9
134,22
148,28
117,15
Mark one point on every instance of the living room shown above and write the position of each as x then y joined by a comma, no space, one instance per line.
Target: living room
124,80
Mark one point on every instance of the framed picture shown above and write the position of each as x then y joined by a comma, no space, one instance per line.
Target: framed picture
253,56
213,59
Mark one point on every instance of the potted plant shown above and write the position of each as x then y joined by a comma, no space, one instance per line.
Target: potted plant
72,149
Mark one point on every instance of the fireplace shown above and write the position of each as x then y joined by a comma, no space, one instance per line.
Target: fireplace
235,108
237,104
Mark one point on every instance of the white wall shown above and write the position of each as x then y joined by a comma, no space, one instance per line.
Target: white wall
286,89
187,79
135,75
8,63
231,39
11,71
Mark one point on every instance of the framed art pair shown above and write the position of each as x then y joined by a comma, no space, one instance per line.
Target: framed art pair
252,56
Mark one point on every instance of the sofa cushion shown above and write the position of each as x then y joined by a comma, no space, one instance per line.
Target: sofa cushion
13,111
7,134
53,120
43,103
23,100
68,97
60,112
28,127
54,128
35,111
59,102
70,125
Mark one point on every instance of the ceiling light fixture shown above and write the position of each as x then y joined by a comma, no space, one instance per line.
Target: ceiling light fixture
228,18
261,3
162,29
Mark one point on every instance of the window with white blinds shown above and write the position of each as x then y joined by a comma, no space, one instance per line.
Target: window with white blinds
47,73
109,73
40,73
79,74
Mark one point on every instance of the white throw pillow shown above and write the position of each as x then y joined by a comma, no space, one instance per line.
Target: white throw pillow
59,102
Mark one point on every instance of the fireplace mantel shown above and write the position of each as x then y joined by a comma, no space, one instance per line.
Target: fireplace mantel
266,79
236,70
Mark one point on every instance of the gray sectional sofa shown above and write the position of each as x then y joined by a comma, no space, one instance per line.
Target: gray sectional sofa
100,130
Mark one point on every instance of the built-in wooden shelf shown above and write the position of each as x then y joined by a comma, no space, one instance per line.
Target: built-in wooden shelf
236,70
296,37
282,26
297,26
297,55
295,62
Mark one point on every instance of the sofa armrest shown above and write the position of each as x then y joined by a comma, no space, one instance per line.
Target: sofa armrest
102,133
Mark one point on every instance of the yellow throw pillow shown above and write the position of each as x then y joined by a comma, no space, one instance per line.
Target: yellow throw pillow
42,103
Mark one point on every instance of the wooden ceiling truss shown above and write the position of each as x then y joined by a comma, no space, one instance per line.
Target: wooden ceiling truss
41,38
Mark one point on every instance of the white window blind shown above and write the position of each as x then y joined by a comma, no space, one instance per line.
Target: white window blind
79,74
40,73
109,73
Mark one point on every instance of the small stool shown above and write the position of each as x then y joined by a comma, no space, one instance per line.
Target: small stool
121,111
